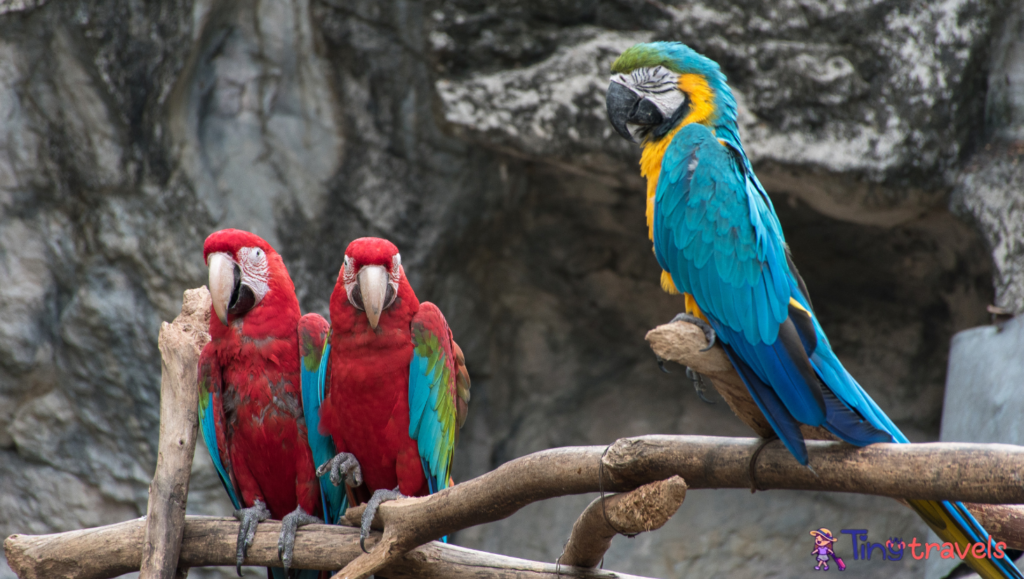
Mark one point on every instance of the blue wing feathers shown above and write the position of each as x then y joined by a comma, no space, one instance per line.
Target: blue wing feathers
313,381
209,404
426,374
774,410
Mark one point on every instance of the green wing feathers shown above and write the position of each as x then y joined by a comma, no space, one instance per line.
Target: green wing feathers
438,394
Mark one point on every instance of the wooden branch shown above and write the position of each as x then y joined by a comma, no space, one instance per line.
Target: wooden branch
682,342
985,473
113,550
180,344
645,509
1004,522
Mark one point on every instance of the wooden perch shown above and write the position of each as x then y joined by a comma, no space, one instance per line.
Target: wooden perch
985,473
180,344
682,343
116,549
645,509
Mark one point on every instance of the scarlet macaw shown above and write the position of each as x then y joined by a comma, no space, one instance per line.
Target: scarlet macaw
250,412
392,389
720,244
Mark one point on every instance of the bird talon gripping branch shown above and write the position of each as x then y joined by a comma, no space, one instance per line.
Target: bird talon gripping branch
379,496
709,332
289,525
248,519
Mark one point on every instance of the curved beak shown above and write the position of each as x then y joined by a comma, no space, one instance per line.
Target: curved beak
633,117
224,280
373,286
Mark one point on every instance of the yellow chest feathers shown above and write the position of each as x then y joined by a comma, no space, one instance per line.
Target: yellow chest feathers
702,110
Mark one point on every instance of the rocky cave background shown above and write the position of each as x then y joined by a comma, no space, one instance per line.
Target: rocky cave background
472,133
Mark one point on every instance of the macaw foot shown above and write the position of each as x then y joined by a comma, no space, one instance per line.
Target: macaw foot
709,332
286,542
343,467
698,383
661,364
249,517
379,496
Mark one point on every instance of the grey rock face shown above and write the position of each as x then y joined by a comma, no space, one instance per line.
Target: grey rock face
859,107
473,135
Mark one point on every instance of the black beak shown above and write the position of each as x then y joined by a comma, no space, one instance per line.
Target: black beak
626,108
242,298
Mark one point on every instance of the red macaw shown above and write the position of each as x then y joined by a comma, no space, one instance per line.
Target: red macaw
392,390
250,409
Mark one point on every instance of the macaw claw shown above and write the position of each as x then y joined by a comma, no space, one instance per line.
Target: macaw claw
249,518
343,468
698,383
709,332
661,364
379,496
286,542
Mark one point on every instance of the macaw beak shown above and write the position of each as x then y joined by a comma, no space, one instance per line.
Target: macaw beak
373,287
633,117
227,291
224,280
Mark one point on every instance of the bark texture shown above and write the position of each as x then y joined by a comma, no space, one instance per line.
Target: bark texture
181,343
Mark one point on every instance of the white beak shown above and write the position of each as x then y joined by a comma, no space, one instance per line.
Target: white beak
222,283
373,286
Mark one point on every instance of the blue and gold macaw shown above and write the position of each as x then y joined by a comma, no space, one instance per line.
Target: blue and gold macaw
720,244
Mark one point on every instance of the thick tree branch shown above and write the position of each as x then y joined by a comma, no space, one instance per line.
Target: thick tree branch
644,509
682,343
986,473
180,344
113,550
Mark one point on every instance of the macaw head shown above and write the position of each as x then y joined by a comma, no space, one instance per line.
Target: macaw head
244,269
660,86
371,274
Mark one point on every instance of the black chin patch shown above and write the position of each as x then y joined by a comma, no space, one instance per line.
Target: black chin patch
665,127
242,300
357,298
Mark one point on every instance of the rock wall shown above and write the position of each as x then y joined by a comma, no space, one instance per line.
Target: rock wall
473,134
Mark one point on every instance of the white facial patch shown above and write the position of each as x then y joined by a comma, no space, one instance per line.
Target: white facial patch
255,270
657,84
348,277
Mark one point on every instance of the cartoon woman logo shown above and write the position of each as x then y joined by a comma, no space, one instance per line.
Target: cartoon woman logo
823,541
